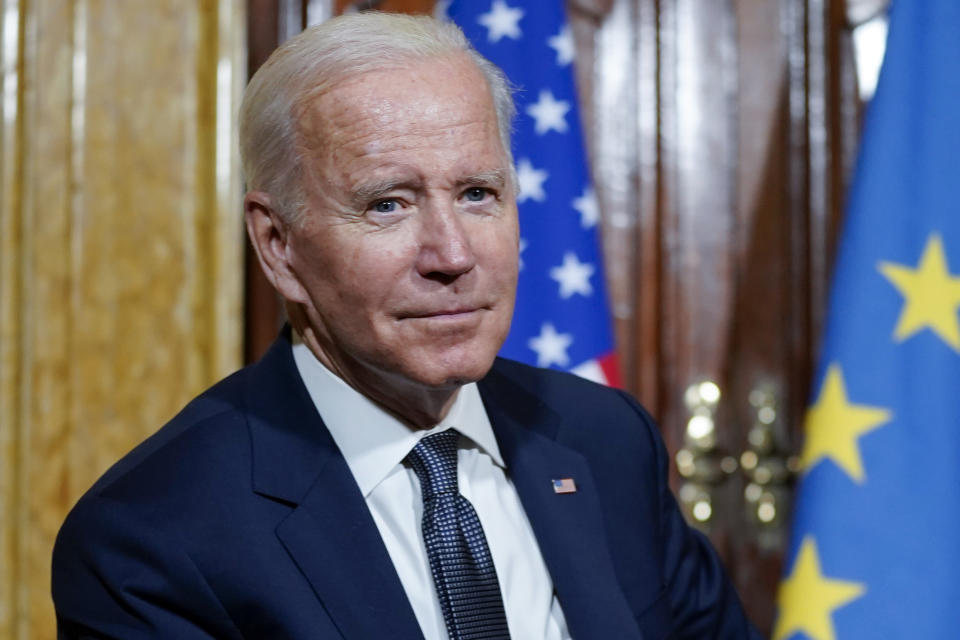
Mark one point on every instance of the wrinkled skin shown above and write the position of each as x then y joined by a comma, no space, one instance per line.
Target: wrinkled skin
401,275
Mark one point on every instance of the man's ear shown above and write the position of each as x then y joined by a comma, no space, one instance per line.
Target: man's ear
270,237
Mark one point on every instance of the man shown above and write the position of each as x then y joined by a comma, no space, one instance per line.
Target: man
358,481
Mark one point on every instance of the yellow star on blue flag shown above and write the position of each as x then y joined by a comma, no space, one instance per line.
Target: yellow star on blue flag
931,293
874,550
834,425
808,598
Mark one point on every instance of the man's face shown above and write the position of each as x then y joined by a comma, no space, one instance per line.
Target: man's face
407,253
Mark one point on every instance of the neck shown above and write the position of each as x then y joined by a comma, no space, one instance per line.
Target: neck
418,406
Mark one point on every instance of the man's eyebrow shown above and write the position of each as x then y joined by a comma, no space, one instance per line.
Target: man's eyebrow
364,193
497,178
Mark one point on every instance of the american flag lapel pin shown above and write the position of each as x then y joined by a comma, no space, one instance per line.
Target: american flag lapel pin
564,485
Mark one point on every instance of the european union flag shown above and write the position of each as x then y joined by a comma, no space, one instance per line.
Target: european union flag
876,540
562,319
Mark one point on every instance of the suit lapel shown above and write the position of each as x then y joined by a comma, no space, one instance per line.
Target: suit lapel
333,539
569,527
330,534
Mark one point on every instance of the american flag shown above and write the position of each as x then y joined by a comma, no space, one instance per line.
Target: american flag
564,485
562,318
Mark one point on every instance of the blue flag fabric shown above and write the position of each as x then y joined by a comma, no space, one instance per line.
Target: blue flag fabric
876,537
562,319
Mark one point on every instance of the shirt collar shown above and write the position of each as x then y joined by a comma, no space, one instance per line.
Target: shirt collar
373,441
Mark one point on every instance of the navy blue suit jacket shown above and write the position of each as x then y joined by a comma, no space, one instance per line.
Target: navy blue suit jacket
241,519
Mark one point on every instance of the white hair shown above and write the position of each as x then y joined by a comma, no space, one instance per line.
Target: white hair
313,62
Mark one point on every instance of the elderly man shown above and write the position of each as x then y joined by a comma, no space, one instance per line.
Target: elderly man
377,474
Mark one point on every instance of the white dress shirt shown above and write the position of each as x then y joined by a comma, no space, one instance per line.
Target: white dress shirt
375,443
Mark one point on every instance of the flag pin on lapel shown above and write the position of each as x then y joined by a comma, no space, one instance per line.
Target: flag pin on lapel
564,485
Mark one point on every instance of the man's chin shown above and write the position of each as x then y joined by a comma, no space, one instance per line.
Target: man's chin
443,373
454,379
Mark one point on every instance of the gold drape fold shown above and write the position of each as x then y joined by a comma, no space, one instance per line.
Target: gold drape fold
120,249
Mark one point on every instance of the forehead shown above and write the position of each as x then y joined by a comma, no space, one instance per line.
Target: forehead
418,102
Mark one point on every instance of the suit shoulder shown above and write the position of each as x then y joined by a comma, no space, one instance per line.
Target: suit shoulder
184,478
587,407
567,393
210,422
541,381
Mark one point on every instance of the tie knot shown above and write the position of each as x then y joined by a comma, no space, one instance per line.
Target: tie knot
434,460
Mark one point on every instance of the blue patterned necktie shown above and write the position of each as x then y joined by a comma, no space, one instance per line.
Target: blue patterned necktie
460,561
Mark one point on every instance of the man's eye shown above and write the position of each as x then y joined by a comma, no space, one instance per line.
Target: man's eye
385,206
476,194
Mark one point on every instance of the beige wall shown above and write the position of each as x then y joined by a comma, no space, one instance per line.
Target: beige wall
120,249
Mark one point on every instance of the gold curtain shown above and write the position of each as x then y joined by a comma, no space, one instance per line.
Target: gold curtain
120,249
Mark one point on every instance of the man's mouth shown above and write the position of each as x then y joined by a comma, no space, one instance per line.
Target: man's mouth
452,313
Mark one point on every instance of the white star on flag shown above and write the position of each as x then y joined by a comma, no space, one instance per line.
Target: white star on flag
502,21
551,347
562,43
531,181
523,247
549,113
573,276
587,206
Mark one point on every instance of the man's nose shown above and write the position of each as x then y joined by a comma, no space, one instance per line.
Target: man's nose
445,248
